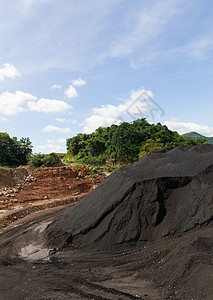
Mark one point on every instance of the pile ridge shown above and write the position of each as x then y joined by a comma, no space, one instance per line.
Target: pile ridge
160,195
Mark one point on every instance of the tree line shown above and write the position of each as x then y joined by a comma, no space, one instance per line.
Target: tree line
14,152
125,143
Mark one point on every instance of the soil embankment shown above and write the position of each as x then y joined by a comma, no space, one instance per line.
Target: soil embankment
11,178
24,190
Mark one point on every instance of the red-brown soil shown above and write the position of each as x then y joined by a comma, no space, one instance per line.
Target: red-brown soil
24,190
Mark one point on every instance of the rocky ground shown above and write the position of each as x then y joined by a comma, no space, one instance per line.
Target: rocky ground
25,190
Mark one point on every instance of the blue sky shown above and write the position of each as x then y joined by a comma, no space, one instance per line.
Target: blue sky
70,66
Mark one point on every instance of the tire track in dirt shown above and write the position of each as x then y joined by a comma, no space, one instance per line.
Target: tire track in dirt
79,276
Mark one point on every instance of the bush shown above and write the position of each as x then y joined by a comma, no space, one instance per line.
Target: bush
69,159
35,160
152,146
44,160
93,160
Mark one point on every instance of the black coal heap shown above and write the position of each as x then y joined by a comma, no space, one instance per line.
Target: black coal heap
162,194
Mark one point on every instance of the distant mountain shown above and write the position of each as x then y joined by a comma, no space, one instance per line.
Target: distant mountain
196,135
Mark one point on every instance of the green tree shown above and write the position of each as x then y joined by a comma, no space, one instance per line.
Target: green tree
44,160
14,152
152,146
24,148
125,142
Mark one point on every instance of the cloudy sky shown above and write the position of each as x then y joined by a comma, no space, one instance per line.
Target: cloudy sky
70,66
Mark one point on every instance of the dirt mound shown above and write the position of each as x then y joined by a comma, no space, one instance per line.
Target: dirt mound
27,190
55,182
13,177
160,195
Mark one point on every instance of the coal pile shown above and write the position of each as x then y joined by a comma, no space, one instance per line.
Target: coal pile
162,194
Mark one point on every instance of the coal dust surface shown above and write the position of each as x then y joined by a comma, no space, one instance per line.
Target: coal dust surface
162,194
145,232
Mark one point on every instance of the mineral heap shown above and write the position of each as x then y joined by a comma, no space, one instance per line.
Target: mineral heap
160,195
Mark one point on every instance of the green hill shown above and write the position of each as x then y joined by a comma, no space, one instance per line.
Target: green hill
125,143
196,135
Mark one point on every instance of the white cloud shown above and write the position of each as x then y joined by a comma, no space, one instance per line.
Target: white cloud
76,51
58,145
48,148
136,106
28,4
61,141
47,106
8,71
71,92
11,104
50,141
78,82
62,120
56,86
141,94
199,48
38,148
142,27
184,127
3,119
51,128
98,120
55,148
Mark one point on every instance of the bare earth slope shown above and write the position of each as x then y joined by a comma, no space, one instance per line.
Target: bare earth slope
24,190
13,177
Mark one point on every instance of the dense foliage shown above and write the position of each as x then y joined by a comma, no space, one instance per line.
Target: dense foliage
14,152
126,142
196,136
44,160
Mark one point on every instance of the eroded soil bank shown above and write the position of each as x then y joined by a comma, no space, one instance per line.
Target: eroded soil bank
24,190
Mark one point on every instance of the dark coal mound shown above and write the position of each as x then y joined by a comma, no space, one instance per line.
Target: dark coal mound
162,194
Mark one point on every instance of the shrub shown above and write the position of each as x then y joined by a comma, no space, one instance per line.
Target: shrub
151,146
44,160
35,160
